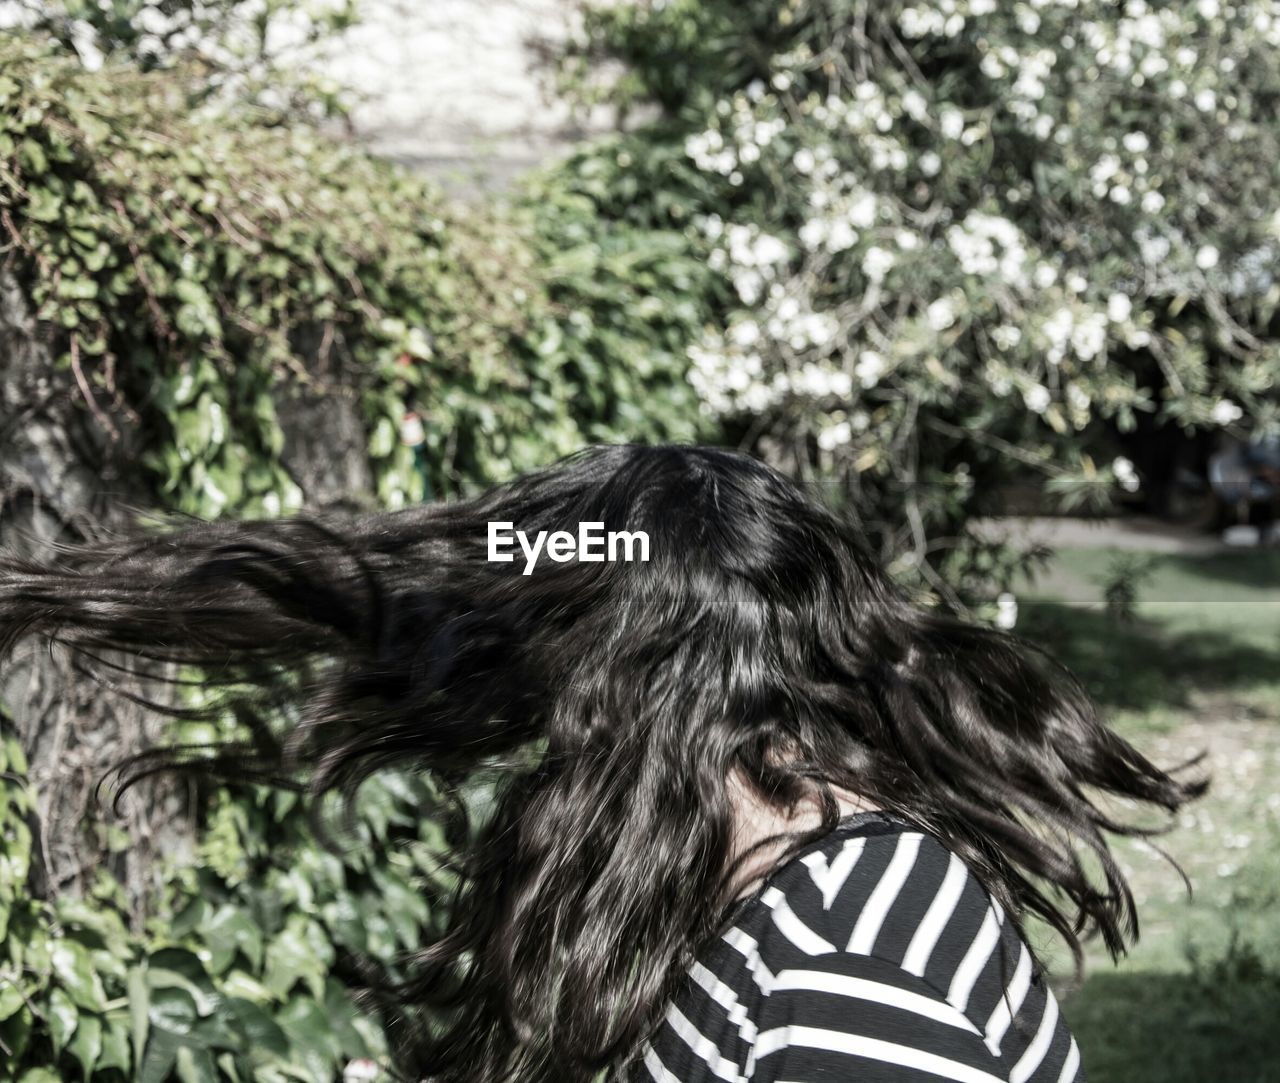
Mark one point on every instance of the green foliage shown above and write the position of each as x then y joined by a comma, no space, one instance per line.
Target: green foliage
191,267
230,50
234,979
955,242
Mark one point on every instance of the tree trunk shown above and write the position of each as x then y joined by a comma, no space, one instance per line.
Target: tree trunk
62,478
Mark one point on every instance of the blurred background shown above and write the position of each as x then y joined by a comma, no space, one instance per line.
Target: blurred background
998,279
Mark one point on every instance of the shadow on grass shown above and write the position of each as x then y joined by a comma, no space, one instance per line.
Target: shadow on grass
1143,665
1177,1028
1247,568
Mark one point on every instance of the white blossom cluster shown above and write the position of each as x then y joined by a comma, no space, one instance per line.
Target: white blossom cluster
752,258
862,155
975,244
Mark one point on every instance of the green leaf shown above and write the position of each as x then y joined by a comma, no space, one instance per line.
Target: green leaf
173,1010
11,998
139,1009
86,1047
62,1019
115,1047
311,1036
195,1066
231,930
259,1030
293,956
32,156
75,970
162,1051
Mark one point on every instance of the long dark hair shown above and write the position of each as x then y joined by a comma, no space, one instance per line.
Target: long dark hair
617,697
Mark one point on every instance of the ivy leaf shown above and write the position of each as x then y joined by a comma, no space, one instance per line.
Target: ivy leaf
173,1010
76,972
115,1047
10,995
293,956
259,1030
43,205
195,1066
86,1047
162,1051
229,931
312,1037
62,1019
139,1008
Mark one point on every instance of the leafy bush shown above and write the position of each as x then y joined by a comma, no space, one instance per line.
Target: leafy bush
193,268
957,241
192,264
239,976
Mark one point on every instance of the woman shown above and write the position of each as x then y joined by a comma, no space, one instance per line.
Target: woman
759,818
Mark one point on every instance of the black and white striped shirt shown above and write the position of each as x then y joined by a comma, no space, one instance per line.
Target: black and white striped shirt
874,955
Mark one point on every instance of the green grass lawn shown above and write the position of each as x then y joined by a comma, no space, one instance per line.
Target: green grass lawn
1198,998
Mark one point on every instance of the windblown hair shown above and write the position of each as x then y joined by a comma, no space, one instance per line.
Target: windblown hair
617,697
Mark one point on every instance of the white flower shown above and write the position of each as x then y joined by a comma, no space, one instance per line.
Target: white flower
749,285
841,236
813,233
1044,276
1118,307
1006,611
1208,8
913,102
1006,336
1037,398
1125,474
745,333
831,438
862,211
876,262
870,368
952,123
1205,100
1207,258
737,378
1076,283
804,160
1136,142
360,1071
941,314
1152,202
1089,336
1137,339
930,163
1225,412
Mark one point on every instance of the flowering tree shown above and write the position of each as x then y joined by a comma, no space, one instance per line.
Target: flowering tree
259,50
961,240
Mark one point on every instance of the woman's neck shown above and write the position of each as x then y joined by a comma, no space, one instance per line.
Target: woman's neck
756,819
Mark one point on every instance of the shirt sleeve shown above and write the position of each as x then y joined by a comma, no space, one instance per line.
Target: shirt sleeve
844,1017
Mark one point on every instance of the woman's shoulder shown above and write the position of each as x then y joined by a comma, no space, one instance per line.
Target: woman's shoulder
881,886
883,911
